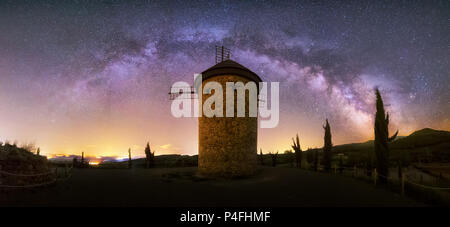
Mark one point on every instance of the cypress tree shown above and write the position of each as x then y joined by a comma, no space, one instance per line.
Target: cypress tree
129,158
261,157
298,151
152,159
382,139
148,155
327,147
38,151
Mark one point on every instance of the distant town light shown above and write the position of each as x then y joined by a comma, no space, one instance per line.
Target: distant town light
94,163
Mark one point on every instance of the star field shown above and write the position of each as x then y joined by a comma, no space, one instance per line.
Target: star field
94,75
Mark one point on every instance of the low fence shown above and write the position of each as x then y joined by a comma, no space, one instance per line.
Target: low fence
403,184
49,177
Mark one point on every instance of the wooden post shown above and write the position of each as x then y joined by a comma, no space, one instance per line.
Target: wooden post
403,184
375,176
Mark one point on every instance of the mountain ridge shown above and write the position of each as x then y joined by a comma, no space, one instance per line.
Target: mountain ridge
419,138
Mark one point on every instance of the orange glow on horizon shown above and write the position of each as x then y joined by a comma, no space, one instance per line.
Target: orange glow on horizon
94,163
269,141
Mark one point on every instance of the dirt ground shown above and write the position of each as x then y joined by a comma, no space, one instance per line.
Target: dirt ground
271,187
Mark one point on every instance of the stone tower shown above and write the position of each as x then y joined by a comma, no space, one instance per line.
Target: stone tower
228,145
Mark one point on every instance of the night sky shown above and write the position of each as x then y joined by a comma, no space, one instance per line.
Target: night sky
93,76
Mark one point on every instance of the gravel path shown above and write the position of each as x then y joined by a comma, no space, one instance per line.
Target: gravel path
181,187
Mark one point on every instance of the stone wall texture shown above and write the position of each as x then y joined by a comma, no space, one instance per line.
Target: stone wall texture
227,145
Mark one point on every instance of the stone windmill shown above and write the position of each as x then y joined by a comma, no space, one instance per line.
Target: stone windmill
227,145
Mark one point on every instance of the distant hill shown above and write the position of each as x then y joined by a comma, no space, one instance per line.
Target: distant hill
422,145
422,138
368,145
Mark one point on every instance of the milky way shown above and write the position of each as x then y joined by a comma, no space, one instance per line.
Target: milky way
95,76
